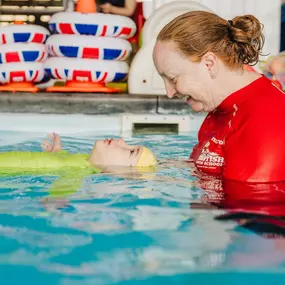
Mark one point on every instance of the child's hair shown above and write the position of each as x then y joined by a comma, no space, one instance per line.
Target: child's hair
147,158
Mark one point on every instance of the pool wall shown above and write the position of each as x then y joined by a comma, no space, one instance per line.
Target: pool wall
85,113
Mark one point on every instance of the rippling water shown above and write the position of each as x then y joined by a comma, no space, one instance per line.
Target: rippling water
120,231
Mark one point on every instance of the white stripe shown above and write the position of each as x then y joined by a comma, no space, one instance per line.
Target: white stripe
21,56
73,28
80,52
101,53
121,55
30,37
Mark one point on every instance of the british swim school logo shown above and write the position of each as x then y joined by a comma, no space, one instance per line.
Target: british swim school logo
209,158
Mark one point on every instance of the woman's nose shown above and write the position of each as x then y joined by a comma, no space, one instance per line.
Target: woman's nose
170,91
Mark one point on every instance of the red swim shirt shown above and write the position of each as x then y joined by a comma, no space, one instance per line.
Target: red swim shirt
243,139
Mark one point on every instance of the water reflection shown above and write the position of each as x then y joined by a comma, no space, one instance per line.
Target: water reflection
258,211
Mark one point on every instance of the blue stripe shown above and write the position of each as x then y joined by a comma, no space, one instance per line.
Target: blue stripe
48,72
84,29
52,27
66,72
46,78
111,53
21,37
69,51
119,76
4,75
30,55
46,38
31,73
1,58
115,29
98,73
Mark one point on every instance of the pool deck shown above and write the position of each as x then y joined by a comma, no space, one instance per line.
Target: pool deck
90,104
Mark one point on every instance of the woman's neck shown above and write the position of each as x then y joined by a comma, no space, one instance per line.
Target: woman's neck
229,82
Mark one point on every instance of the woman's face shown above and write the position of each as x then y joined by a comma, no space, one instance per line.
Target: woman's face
183,78
112,152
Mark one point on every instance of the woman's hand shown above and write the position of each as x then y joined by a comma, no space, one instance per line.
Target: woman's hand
106,8
54,145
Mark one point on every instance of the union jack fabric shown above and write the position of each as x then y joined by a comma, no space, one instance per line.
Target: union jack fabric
22,56
17,37
88,29
87,52
31,75
85,75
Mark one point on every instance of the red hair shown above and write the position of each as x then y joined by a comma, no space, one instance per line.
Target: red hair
236,42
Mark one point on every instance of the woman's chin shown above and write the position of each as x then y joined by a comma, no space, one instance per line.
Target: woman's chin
195,105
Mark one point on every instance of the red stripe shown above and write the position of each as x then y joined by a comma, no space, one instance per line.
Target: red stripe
125,31
17,74
66,29
3,39
38,38
35,77
90,53
103,78
12,57
57,74
104,31
43,55
52,49
78,75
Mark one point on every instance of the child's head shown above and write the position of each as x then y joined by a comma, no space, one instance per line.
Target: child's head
119,153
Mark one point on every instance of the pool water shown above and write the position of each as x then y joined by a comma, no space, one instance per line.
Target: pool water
125,231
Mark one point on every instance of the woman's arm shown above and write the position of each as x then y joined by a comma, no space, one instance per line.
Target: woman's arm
128,10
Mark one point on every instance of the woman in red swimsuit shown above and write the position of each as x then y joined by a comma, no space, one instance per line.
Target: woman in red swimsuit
201,58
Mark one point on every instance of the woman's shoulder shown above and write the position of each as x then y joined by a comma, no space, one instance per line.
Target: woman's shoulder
264,100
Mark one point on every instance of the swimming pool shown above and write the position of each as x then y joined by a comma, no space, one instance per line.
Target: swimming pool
120,231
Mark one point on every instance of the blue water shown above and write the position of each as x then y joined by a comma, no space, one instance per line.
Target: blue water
120,231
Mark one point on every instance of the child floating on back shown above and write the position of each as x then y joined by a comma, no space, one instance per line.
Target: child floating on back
104,153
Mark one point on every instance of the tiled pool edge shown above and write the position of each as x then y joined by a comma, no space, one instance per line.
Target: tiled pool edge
90,104
87,113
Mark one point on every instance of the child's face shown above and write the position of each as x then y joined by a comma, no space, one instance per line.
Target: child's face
115,152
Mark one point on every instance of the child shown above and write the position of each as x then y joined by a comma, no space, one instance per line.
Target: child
54,158
274,68
71,169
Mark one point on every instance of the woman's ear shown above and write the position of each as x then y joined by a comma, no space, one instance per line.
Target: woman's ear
210,60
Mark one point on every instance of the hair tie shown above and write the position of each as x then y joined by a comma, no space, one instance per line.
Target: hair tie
231,22
230,31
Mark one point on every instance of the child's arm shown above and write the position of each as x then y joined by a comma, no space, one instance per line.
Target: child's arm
54,145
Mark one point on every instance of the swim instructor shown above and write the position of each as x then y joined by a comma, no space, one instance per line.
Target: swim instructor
200,57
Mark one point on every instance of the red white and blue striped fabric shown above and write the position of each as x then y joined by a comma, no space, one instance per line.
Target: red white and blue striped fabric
23,34
21,72
82,46
23,52
98,24
86,70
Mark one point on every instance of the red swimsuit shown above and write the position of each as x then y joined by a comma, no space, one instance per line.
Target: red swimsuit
244,138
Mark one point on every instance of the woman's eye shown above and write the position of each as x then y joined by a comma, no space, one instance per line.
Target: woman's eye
132,152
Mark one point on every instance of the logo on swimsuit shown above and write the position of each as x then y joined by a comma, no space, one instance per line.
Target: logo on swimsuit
216,141
210,159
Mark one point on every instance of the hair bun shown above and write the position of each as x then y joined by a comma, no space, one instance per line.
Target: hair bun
246,35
